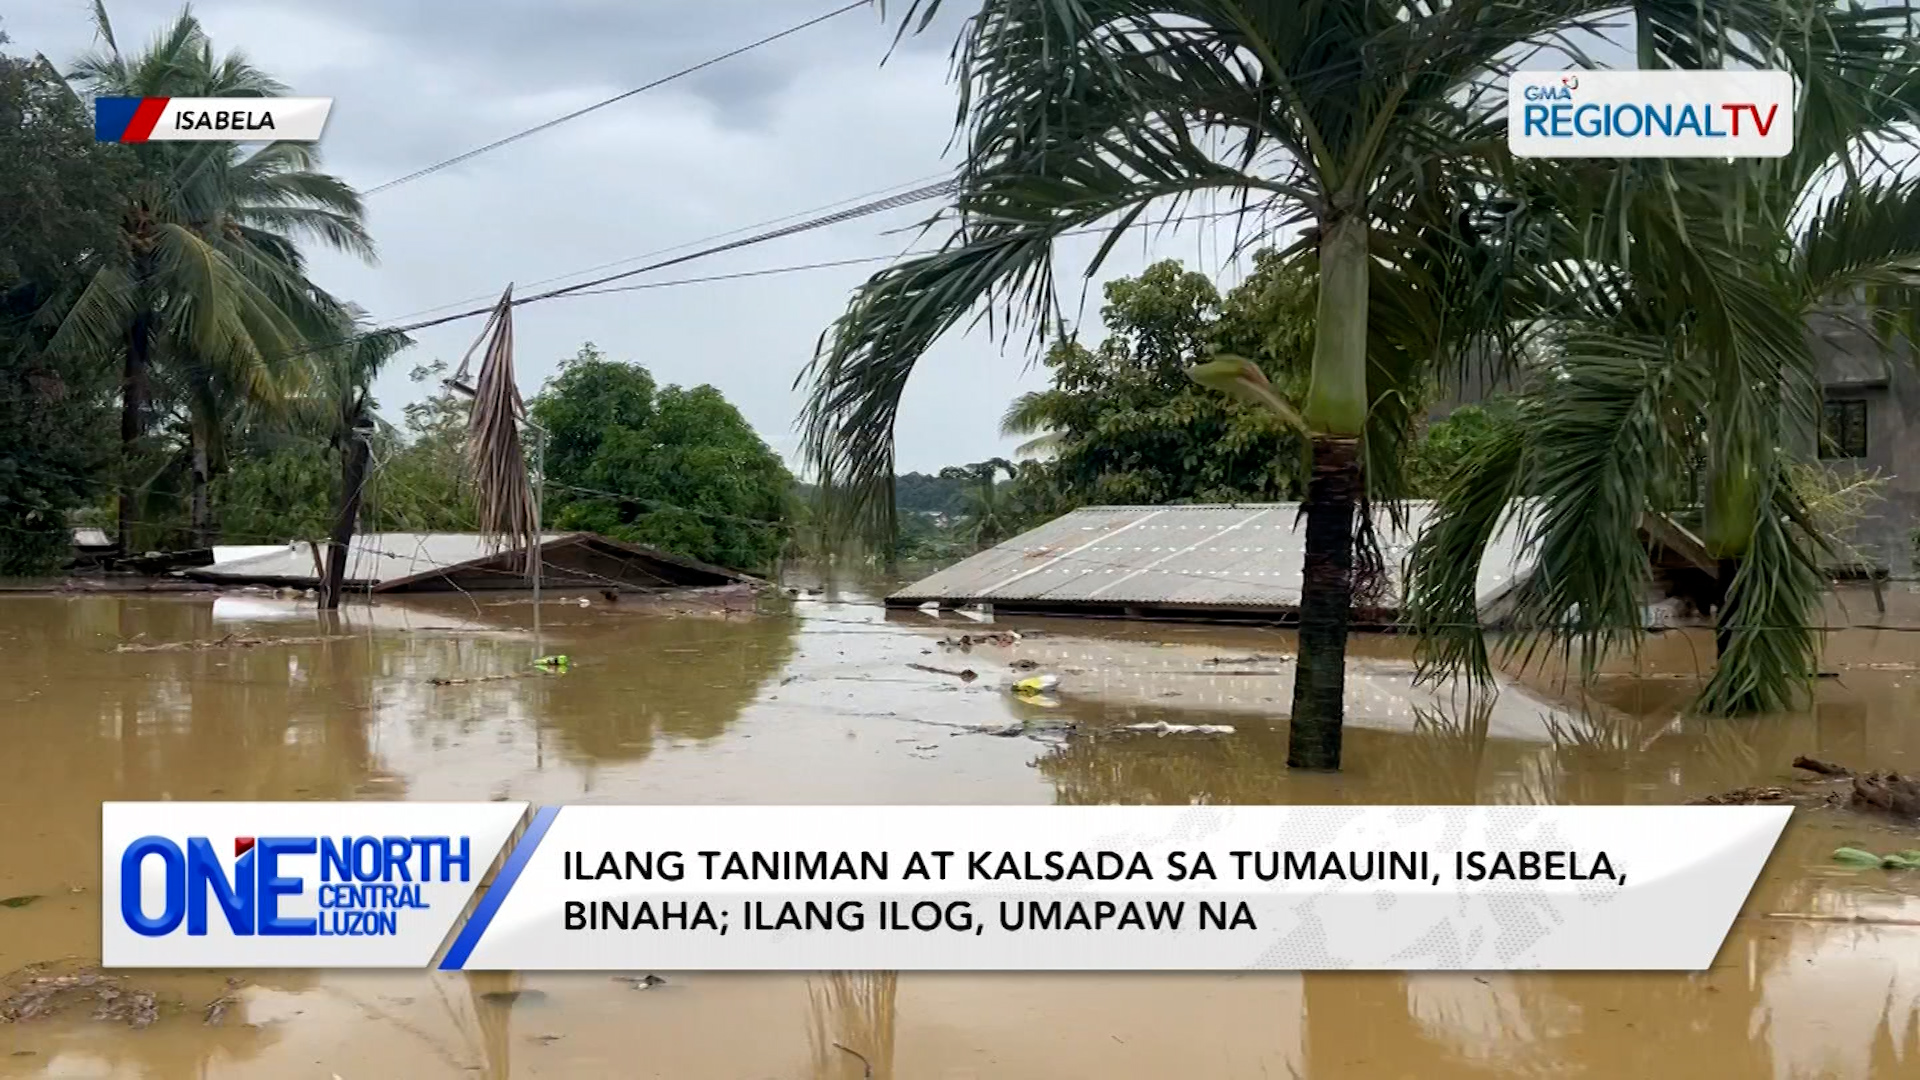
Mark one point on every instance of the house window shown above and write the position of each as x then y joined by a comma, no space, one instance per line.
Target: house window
1843,431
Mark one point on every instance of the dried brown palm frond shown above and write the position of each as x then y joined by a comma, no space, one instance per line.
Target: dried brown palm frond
501,483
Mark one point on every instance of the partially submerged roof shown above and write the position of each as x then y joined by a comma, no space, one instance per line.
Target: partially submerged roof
1232,560
434,562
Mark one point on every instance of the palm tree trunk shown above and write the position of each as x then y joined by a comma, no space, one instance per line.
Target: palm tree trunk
353,475
133,420
1326,599
1336,408
200,516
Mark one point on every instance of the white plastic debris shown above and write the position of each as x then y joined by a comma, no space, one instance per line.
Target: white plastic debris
1163,728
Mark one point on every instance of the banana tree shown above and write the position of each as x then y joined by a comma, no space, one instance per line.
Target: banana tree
1677,374
1340,116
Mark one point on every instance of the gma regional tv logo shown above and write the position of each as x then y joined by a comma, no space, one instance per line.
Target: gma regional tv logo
234,119
1677,114
305,884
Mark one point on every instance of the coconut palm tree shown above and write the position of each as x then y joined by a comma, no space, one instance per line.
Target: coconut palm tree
206,273
1364,120
1677,375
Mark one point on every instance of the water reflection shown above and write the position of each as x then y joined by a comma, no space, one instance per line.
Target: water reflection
852,1030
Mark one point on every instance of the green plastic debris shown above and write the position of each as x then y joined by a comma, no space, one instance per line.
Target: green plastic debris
1853,856
18,901
553,663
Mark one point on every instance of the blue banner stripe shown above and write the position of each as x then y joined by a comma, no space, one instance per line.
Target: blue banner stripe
111,115
456,957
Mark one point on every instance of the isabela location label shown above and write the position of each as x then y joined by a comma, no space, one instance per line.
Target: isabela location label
233,119
1670,114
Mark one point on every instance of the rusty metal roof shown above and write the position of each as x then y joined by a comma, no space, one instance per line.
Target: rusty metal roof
1236,556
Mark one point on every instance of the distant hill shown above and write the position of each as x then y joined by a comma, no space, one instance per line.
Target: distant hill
913,493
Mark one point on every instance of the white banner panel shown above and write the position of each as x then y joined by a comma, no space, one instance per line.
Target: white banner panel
291,885
1670,114
1120,888
231,119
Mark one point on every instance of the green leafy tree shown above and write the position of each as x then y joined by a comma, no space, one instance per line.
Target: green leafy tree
1124,424
678,469
1446,445
58,188
423,484
205,277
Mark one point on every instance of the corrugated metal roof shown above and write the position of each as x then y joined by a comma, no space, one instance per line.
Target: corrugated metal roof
1245,556
372,558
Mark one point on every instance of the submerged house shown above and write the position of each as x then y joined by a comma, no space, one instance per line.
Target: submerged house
1234,563
1226,563
1869,426
468,562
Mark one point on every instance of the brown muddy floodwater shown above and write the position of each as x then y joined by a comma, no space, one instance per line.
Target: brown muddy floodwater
1819,979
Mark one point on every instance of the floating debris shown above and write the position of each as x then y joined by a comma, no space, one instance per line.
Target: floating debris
480,679
1037,684
553,663
1748,796
1900,860
640,982
965,642
19,901
45,995
1163,728
1887,792
964,674
228,642
1023,664
1255,658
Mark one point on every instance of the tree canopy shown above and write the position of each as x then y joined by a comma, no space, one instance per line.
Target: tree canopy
674,468
59,188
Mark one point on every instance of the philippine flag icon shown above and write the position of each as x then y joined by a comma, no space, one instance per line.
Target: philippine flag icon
126,119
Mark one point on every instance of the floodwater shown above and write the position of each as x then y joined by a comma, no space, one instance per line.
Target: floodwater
1819,979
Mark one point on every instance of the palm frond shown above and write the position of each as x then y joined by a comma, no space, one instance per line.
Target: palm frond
1770,609
502,486
1442,602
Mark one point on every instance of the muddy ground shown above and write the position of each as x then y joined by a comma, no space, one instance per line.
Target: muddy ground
822,704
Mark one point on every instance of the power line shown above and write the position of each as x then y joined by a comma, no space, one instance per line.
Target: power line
906,198
782,219
591,288
577,113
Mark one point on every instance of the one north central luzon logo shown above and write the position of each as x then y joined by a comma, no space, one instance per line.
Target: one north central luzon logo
1556,112
366,884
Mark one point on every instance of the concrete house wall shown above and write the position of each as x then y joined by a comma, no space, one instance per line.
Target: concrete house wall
1855,369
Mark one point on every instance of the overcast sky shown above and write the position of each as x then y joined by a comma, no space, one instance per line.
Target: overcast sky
807,121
